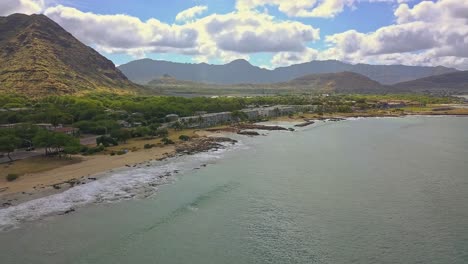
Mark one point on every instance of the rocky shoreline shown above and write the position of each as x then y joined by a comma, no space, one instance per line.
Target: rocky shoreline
194,146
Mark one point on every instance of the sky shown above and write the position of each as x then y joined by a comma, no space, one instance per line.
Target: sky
267,33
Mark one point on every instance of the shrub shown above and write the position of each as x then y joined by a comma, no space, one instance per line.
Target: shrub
84,149
106,141
167,141
162,132
121,152
91,151
12,176
149,146
184,138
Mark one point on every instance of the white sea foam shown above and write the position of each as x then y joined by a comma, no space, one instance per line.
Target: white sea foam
124,184
354,118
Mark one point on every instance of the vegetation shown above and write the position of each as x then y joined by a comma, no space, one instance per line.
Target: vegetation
167,141
149,146
8,144
184,137
56,143
118,118
106,141
12,177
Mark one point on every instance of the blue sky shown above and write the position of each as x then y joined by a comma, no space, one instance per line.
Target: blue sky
365,17
268,33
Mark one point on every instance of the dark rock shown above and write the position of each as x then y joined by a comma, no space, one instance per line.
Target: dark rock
261,127
307,123
248,133
71,210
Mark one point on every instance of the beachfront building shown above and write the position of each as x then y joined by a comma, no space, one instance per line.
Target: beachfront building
259,113
172,117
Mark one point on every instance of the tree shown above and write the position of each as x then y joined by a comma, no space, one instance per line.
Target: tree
106,141
8,144
141,132
162,132
153,128
55,143
239,115
121,135
177,125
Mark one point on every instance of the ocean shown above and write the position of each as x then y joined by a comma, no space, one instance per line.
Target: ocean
370,190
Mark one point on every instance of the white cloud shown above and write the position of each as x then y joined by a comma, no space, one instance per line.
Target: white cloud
288,58
8,7
191,13
306,8
116,33
221,37
429,33
248,32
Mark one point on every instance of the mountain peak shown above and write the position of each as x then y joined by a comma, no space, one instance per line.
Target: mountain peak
39,57
240,62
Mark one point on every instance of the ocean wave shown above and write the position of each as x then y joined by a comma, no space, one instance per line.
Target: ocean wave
134,183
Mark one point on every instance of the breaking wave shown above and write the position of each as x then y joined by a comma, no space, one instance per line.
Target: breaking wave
128,183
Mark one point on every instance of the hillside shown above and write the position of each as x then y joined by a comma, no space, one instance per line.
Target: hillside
450,83
241,71
40,58
342,82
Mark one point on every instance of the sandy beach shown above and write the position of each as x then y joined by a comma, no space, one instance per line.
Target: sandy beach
83,169
36,185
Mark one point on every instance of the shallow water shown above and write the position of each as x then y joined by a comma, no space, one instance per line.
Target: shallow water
391,190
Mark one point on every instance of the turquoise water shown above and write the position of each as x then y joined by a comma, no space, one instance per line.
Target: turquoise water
391,190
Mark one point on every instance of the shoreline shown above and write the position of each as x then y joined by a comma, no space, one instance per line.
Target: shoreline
86,169
91,168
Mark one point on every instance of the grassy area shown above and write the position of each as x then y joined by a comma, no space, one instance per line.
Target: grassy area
33,165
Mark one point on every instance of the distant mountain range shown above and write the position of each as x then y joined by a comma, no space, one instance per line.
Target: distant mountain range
341,82
242,72
38,57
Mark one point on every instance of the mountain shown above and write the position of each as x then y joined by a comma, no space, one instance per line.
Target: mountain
238,71
241,71
449,83
385,74
341,82
38,57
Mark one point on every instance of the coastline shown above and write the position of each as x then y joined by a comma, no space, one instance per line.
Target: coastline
86,169
459,112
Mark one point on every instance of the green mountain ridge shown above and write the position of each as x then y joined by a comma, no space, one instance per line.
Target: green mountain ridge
449,83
